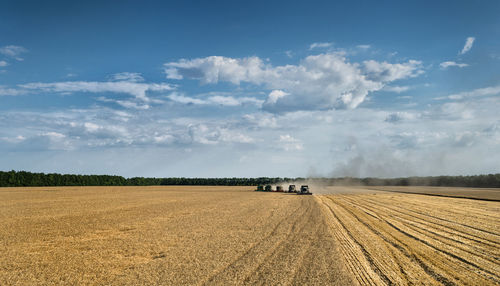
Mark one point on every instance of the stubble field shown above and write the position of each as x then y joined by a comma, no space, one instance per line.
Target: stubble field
232,235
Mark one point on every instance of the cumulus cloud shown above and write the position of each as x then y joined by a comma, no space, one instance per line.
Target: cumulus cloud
13,51
445,65
468,45
3,64
275,95
319,45
323,81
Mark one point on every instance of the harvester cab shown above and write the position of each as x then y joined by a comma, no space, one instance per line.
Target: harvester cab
279,188
291,189
304,190
268,188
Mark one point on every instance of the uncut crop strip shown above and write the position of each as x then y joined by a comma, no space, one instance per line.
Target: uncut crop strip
409,239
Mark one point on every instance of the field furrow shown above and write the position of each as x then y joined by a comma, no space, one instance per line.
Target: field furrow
414,239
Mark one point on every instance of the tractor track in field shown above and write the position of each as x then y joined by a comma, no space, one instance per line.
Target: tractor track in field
249,255
401,244
401,247
442,238
288,255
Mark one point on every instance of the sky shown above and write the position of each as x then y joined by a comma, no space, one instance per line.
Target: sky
250,89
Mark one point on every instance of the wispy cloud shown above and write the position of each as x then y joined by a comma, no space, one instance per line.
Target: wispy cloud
127,76
363,47
445,65
468,45
486,91
138,90
3,64
215,100
13,51
319,46
289,143
396,88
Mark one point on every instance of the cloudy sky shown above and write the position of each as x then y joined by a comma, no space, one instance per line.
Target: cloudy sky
262,88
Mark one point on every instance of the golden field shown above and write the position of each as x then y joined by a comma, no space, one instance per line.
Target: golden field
163,235
232,235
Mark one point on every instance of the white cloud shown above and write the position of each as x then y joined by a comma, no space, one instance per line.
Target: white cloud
13,51
396,88
138,90
445,65
275,95
215,100
363,47
3,64
127,76
289,54
400,116
486,91
206,134
289,143
125,103
386,72
468,45
321,81
5,91
319,45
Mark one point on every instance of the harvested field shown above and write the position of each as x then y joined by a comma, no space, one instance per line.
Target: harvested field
471,193
164,235
234,236
407,239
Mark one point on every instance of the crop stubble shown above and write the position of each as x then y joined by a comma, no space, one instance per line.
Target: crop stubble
164,235
231,235
407,239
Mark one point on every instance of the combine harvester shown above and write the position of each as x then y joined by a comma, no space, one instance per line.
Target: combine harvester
304,190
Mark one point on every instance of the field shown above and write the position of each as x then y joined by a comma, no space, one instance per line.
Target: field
232,235
404,239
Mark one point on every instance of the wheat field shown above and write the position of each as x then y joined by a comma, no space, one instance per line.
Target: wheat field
234,236
408,239
164,236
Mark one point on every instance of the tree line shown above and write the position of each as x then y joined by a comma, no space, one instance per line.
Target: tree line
29,179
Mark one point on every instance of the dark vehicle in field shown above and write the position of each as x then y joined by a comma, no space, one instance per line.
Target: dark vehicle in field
304,190
292,189
279,189
268,188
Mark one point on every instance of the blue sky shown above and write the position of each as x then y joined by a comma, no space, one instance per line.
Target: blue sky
232,88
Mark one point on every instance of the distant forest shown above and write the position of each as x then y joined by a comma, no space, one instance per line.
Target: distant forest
28,179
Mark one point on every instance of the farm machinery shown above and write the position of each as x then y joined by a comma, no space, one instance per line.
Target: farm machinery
304,189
